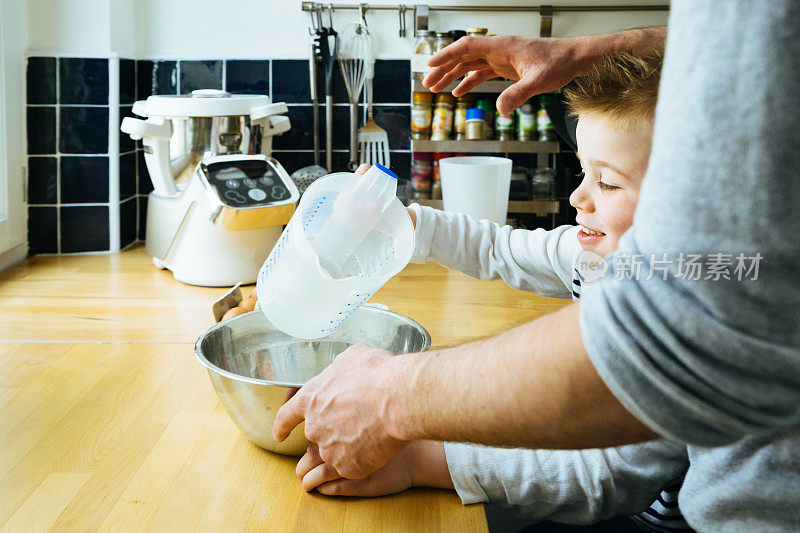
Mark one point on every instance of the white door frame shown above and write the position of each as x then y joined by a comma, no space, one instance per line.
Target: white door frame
13,212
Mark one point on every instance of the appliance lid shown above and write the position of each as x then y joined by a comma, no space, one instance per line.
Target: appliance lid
200,103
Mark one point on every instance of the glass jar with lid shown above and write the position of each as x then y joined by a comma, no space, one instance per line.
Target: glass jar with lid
476,124
443,39
424,48
460,116
526,122
477,32
543,181
421,175
421,109
489,112
504,127
442,123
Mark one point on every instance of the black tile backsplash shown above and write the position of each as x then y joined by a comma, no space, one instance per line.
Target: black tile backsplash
142,200
84,130
165,78
42,180
41,79
127,222
300,136
127,81
41,123
145,185
144,79
200,75
293,161
83,80
391,84
126,144
42,230
73,93
290,82
127,176
396,120
84,180
84,229
247,77
401,164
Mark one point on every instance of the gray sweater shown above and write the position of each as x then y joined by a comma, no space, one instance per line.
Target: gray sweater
724,355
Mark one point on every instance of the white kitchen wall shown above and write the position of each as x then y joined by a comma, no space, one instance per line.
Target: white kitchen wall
244,29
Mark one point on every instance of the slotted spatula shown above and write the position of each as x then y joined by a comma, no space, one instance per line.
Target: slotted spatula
373,141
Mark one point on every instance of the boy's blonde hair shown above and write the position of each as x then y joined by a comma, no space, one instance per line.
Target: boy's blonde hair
622,88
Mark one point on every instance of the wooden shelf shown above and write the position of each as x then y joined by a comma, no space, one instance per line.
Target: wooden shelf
491,86
538,207
511,147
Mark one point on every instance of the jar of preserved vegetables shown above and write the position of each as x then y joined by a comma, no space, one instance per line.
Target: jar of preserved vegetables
442,117
421,110
424,48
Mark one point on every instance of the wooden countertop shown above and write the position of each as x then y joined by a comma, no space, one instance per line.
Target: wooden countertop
108,422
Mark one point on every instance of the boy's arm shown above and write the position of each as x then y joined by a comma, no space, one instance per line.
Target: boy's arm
571,486
540,261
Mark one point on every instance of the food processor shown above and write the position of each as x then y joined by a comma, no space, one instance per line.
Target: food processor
219,201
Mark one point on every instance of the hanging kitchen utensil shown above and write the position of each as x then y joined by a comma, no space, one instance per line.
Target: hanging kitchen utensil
372,139
329,45
307,175
355,48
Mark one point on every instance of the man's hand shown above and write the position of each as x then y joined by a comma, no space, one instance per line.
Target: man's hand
346,410
538,65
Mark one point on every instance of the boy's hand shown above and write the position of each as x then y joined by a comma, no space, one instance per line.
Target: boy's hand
421,463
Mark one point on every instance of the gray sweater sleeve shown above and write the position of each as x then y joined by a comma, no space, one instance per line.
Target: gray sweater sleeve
568,486
723,354
539,261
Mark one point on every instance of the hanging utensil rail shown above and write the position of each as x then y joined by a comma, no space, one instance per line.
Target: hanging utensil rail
546,10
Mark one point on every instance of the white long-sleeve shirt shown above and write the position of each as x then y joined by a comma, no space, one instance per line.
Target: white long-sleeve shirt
570,486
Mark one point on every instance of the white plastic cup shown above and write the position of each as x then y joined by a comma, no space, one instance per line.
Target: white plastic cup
477,186
301,298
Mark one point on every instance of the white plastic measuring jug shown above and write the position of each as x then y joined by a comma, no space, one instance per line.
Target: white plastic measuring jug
349,236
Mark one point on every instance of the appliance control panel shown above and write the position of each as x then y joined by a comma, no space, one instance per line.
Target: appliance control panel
247,182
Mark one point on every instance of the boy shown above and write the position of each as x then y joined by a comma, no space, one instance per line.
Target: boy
615,106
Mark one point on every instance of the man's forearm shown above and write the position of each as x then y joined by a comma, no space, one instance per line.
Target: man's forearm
589,49
532,386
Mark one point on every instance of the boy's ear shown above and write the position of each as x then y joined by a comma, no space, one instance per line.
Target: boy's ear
564,123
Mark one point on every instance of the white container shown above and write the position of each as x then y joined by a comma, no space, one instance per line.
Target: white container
301,298
477,186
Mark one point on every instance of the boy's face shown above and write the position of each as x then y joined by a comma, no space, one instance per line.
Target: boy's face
614,162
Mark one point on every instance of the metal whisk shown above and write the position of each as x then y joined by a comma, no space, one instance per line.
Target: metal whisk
355,49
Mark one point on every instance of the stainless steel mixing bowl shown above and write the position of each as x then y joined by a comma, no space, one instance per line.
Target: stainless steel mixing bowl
252,364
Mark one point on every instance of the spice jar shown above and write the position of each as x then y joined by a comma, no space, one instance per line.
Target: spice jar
544,125
488,113
421,174
436,184
526,122
460,116
443,39
442,117
476,124
423,50
477,32
504,126
421,109
543,182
